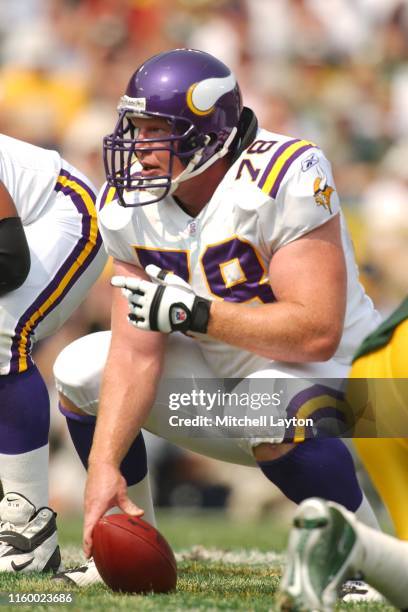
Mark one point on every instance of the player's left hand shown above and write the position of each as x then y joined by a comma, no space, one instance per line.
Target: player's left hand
166,304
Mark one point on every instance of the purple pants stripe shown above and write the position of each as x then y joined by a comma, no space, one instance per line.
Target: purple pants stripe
71,269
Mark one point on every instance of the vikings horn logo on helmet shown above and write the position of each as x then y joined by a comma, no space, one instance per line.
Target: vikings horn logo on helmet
202,96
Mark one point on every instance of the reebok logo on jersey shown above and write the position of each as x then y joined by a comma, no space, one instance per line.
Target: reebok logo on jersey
309,162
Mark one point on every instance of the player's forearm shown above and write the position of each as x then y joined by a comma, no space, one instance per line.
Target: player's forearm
279,331
126,399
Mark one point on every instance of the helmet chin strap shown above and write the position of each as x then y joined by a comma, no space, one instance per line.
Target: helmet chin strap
190,171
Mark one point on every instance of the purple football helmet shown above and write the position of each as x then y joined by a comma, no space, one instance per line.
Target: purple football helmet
200,99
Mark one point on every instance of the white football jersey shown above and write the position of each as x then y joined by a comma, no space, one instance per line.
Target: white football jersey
29,174
56,204
279,189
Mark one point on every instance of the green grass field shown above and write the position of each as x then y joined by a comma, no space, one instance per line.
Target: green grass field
222,566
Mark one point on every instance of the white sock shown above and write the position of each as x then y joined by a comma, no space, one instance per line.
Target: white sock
385,564
27,474
141,495
365,514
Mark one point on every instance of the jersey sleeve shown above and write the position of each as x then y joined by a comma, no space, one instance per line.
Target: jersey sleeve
306,199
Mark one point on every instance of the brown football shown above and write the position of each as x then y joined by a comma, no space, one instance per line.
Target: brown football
132,556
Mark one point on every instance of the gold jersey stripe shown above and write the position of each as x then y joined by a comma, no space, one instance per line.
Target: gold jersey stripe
77,263
317,403
280,162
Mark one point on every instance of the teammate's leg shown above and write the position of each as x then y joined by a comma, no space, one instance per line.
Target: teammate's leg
24,427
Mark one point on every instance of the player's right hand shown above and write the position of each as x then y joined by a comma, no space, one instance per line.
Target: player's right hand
166,304
105,488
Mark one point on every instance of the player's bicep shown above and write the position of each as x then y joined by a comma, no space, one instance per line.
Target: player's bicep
311,271
125,337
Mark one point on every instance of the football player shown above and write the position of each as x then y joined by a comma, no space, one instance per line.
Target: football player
382,365
263,284
326,546
50,219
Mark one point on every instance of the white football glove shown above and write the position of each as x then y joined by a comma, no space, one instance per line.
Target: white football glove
167,304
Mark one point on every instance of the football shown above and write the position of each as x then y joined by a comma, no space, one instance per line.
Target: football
132,556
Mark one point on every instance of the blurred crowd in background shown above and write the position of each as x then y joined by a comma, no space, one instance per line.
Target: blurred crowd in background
335,72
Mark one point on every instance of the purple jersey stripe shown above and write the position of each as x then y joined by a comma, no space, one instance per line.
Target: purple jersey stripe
274,191
78,181
273,159
89,244
42,298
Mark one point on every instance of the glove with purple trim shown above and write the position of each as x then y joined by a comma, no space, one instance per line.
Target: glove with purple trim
166,304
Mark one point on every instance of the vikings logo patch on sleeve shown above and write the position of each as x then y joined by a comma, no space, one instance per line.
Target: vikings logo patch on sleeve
322,193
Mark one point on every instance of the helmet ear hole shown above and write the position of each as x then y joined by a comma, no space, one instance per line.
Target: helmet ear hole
190,145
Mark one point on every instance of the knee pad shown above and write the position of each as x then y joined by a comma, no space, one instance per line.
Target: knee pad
78,370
